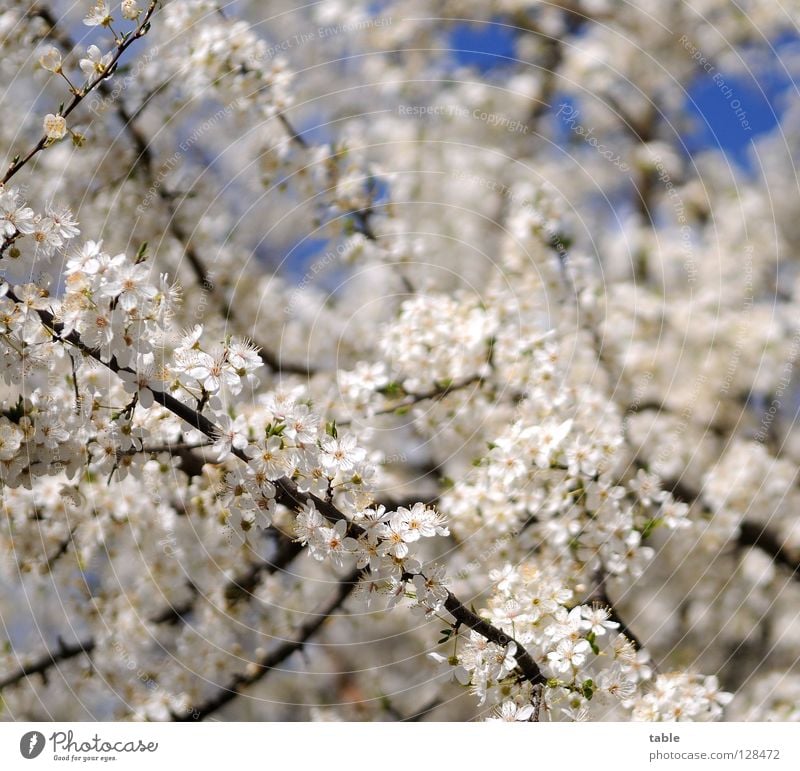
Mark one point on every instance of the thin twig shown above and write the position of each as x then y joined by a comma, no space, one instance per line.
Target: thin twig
273,659
238,586
437,393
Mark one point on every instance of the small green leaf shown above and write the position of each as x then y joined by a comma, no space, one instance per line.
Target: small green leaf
393,388
650,526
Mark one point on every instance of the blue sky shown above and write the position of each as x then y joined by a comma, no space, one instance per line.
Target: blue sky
491,47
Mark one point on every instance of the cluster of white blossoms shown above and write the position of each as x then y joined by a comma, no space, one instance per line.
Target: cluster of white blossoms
219,370
681,696
99,424
747,479
591,670
95,66
551,485
416,353
283,439
217,52
30,239
386,546
116,305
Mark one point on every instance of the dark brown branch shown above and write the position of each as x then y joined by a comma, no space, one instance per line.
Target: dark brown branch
424,711
273,659
39,666
59,552
294,135
753,534
243,585
464,616
191,463
551,60
169,447
174,614
434,394
415,716
662,408
240,586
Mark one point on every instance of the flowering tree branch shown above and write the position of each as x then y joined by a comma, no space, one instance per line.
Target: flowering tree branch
751,534
78,96
464,616
290,496
144,153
